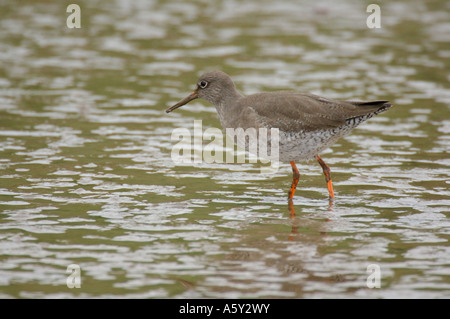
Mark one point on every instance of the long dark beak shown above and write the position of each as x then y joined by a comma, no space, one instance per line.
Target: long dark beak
184,101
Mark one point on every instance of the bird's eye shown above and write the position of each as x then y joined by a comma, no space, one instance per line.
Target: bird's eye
202,84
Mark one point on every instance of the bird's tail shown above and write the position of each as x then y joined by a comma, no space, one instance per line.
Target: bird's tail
373,108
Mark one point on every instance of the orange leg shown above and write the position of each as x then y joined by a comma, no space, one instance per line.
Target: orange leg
326,172
295,178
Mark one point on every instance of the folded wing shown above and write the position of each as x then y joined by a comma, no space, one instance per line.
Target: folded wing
294,112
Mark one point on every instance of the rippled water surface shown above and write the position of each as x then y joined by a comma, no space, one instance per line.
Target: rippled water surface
86,175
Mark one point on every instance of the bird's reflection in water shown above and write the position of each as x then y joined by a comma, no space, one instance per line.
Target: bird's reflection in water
295,221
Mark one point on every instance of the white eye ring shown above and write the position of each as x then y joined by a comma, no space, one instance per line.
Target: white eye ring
203,84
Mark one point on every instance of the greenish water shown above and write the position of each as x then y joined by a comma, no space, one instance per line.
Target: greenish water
86,175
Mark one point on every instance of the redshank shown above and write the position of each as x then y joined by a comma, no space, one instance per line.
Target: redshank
307,123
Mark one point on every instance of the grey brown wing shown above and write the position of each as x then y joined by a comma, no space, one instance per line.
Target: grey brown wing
294,112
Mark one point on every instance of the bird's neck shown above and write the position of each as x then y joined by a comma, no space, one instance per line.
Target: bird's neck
227,108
